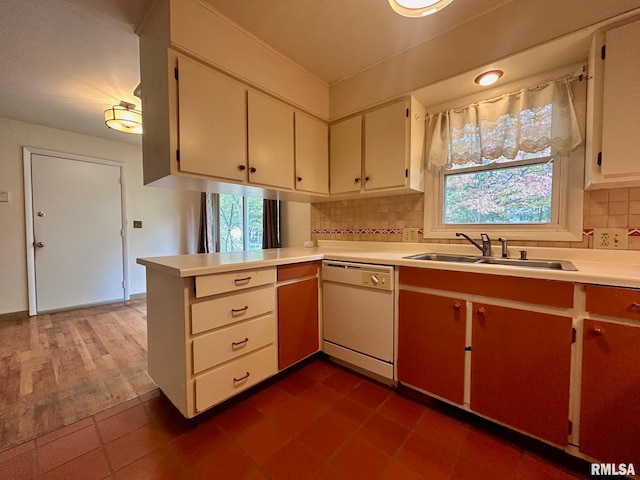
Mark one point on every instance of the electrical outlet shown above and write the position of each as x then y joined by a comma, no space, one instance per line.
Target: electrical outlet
410,235
610,238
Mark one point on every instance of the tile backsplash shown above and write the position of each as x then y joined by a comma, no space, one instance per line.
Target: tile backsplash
381,219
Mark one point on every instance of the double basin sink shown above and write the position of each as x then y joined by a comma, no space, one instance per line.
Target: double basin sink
513,262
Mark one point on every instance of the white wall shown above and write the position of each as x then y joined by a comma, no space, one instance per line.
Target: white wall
169,217
295,224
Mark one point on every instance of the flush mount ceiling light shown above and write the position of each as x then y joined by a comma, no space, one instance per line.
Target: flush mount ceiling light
418,8
124,118
488,78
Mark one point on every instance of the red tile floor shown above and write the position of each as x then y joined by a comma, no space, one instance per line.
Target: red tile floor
320,422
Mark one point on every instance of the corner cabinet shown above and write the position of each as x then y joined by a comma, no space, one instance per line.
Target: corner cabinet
613,94
311,154
381,150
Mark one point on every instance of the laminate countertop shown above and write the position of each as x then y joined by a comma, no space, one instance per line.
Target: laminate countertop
603,267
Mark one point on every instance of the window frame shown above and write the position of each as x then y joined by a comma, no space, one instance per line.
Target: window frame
568,188
215,198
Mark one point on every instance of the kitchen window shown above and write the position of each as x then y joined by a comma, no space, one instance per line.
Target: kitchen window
233,222
510,166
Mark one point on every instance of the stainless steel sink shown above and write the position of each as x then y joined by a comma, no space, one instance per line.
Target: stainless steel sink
514,262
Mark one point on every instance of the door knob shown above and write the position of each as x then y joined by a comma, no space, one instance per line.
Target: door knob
40,244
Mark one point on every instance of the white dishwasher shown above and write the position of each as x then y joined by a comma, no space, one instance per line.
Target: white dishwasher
358,315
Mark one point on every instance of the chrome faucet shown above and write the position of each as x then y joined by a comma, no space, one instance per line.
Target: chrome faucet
504,246
485,248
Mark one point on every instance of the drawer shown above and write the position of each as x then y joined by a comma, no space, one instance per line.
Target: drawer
228,282
614,301
222,345
297,270
554,293
228,309
233,377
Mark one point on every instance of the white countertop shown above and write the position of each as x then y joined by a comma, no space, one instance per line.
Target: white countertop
620,268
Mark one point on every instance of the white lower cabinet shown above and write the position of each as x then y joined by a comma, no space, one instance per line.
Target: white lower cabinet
225,381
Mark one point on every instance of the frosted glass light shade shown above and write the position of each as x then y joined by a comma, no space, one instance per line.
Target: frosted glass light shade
418,8
123,119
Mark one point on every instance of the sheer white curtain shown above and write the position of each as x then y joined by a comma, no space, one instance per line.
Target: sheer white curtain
530,121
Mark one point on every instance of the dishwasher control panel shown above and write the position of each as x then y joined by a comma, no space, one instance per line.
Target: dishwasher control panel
379,280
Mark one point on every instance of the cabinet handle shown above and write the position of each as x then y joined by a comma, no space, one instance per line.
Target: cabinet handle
242,281
244,377
635,306
236,311
598,332
456,306
366,179
252,169
299,179
356,180
242,167
480,311
241,343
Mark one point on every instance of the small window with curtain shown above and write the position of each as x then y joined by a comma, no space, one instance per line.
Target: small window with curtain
232,223
501,163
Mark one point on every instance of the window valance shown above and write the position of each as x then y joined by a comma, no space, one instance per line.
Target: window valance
529,121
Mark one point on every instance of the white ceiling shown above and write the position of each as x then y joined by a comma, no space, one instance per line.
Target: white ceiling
66,61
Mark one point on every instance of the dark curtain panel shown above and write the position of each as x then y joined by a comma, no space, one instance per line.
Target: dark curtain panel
270,224
206,243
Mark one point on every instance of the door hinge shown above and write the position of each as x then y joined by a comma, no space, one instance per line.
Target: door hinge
178,155
406,173
570,427
122,233
573,335
123,284
407,112
599,159
603,52
467,349
175,72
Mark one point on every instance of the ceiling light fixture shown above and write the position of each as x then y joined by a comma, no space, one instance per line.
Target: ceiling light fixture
418,8
488,78
124,118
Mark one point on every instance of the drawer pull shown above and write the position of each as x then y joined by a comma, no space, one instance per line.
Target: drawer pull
244,377
242,281
241,343
598,332
635,306
239,311
480,311
456,306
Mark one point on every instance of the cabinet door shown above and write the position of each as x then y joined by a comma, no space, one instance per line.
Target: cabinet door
431,334
386,136
520,362
212,122
610,400
620,123
297,321
345,156
312,154
270,141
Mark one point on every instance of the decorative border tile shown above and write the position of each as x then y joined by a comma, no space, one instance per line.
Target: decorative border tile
587,232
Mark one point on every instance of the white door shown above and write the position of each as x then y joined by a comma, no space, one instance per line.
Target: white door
77,232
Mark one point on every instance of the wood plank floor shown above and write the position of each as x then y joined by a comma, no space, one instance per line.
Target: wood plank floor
61,367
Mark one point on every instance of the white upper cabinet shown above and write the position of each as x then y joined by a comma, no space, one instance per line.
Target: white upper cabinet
270,125
345,156
311,154
393,155
212,120
613,142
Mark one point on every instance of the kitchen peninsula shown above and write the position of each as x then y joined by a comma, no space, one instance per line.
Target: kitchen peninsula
214,320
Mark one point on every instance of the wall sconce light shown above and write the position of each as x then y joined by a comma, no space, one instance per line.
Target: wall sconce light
124,118
488,78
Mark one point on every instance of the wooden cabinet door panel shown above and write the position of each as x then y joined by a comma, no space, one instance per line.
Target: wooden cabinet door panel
312,154
520,369
345,156
270,125
610,399
212,119
431,348
297,321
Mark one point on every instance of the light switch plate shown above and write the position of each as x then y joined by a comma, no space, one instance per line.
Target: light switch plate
610,238
410,235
